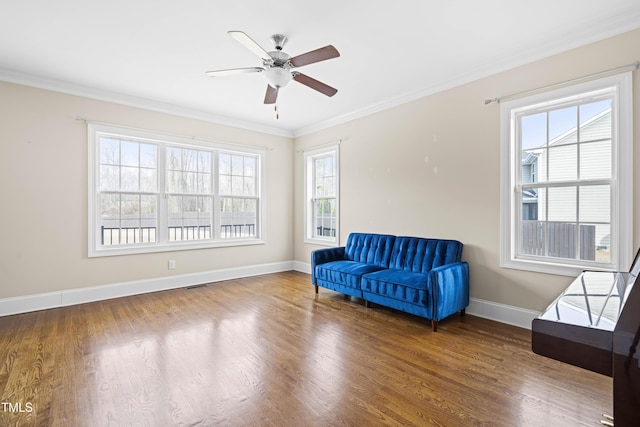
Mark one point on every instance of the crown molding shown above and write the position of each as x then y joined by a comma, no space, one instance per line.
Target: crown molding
40,82
572,41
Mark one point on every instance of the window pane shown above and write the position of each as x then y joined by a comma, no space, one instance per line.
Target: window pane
110,209
238,217
237,185
204,183
250,166
561,240
594,242
533,238
190,160
109,151
238,175
530,205
325,173
562,204
190,217
595,204
225,164
325,218
603,242
190,182
249,187
562,126
563,163
129,153
189,171
595,121
149,210
130,179
174,158
174,182
148,180
533,131
109,178
225,185
595,160
130,211
237,165
534,166
148,156
174,204
204,161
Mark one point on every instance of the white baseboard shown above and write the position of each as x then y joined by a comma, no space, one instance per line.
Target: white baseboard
508,314
302,267
27,303
490,310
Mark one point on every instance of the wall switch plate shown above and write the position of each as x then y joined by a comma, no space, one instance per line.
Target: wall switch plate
172,264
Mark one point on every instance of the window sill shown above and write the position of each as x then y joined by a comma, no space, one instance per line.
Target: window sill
332,242
171,247
572,270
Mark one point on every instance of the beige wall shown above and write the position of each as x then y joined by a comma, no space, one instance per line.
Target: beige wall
43,192
427,168
432,168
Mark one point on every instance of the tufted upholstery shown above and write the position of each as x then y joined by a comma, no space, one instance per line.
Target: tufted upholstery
420,255
425,277
374,249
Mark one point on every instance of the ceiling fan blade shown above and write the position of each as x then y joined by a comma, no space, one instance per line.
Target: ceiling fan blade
248,42
271,96
317,55
234,71
314,84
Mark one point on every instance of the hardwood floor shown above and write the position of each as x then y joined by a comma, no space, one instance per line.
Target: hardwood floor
268,351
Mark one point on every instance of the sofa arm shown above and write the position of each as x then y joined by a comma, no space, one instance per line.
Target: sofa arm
450,289
322,256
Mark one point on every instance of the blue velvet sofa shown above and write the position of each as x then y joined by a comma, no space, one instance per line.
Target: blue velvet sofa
425,277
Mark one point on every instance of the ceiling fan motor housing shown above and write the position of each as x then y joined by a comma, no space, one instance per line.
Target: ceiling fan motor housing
278,71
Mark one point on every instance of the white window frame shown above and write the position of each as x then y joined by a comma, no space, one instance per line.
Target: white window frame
621,183
309,185
163,244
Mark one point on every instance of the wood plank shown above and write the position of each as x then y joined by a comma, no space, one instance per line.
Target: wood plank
267,350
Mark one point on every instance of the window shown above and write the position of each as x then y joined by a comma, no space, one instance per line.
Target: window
566,178
321,195
150,193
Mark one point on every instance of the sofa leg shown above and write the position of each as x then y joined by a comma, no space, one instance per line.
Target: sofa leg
462,312
367,304
316,288
434,325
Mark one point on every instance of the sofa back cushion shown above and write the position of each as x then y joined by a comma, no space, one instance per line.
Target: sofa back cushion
372,249
420,255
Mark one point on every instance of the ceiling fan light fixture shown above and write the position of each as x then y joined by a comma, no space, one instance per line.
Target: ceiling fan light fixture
277,77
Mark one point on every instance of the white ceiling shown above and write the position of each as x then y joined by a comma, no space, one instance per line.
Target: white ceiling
154,53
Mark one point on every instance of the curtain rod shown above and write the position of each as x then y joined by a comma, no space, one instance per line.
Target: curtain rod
633,65
185,137
317,146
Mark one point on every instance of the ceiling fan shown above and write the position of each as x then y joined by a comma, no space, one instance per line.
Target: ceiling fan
278,66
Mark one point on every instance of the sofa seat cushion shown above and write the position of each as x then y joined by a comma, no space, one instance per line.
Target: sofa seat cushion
398,284
346,273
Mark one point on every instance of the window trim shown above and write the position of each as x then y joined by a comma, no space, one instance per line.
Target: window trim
622,177
309,156
95,249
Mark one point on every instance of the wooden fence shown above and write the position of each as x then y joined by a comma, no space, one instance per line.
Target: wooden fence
561,239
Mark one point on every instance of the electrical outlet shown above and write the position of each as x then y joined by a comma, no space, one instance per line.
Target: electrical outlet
172,264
